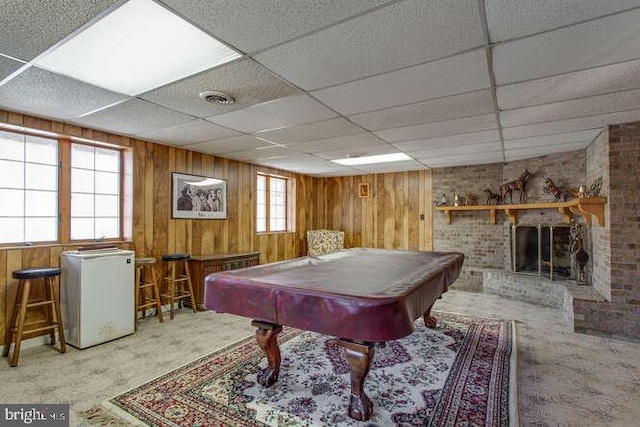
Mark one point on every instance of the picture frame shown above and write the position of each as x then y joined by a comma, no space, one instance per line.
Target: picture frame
363,191
198,197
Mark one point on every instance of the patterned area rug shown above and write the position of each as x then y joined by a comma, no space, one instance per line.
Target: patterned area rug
461,373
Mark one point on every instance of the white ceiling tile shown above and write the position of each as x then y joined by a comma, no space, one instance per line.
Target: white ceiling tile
228,145
311,131
557,139
448,141
415,31
407,165
477,159
243,23
371,150
31,27
245,80
462,73
579,84
536,151
438,129
187,133
591,106
509,19
8,66
435,110
336,143
460,150
570,125
133,117
47,94
283,112
594,43
256,154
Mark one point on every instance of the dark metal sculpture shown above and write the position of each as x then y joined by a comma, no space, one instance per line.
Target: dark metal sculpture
492,198
558,193
518,184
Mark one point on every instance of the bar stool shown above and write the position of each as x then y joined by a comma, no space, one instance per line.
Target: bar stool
177,276
145,281
17,326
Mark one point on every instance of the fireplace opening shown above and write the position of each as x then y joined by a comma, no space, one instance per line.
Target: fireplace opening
542,250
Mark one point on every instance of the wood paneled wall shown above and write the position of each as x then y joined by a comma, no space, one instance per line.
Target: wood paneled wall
389,218
397,215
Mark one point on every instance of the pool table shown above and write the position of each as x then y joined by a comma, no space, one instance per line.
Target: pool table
362,296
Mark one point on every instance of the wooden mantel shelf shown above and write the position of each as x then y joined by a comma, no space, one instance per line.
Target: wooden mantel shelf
585,207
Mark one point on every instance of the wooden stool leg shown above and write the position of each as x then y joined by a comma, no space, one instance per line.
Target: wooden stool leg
48,289
172,287
26,287
193,301
156,293
10,332
56,307
136,298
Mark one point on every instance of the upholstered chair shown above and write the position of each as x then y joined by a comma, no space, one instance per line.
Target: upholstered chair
320,242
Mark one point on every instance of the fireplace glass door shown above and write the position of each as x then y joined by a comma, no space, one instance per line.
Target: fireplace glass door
542,250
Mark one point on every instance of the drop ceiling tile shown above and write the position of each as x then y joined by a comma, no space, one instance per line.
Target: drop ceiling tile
311,131
31,27
458,74
595,43
415,31
243,23
570,125
133,117
557,139
40,92
530,152
457,161
283,112
448,141
296,160
435,110
591,106
188,133
509,19
406,165
256,154
460,150
438,129
247,81
229,145
370,150
8,66
579,84
336,143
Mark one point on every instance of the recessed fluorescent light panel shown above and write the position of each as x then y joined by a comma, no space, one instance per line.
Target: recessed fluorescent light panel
138,47
367,160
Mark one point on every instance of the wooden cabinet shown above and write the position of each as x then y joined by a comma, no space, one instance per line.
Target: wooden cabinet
200,266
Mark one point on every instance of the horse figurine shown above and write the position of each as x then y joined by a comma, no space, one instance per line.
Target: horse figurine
518,184
557,192
492,198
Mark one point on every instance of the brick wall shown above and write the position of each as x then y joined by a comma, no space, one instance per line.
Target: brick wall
617,246
485,245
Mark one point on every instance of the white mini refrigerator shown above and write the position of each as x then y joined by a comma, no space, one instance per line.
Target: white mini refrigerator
97,296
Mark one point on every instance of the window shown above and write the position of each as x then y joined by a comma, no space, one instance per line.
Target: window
95,192
56,190
274,203
28,188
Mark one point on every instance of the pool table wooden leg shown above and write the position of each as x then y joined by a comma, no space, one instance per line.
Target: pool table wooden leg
359,357
267,337
429,320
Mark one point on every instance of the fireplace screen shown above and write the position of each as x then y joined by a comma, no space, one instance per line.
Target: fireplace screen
542,250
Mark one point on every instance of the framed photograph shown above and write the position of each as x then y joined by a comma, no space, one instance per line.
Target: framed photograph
198,197
363,191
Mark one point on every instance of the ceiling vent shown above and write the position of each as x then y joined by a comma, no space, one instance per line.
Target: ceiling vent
215,97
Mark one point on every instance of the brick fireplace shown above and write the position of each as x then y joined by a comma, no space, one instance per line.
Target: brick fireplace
610,304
